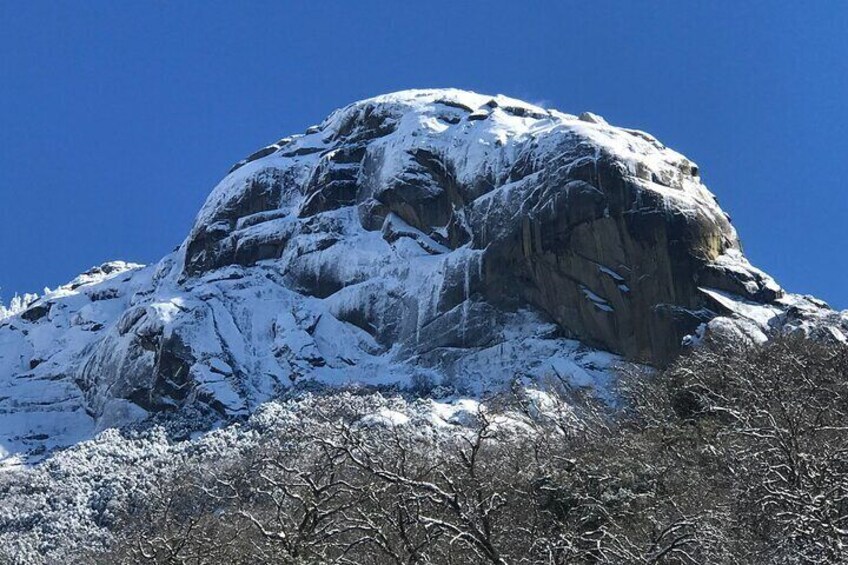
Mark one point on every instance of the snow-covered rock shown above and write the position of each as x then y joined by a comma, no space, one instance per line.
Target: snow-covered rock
428,236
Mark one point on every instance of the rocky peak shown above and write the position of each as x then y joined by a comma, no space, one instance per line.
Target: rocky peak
603,229
426,238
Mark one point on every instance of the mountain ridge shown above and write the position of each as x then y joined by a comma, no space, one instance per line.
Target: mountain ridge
431,236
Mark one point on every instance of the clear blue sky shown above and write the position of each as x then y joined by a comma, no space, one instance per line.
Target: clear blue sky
117,118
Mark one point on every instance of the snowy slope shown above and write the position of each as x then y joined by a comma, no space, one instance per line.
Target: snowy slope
41,406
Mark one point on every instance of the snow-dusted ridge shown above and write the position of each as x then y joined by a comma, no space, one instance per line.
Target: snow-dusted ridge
44,341
492,121
435,238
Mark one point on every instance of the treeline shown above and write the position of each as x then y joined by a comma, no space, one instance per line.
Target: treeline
729,456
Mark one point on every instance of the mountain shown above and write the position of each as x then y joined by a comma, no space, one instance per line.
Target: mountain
426,239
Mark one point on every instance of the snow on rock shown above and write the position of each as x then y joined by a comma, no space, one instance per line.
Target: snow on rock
534,205
425,239
745,321
17,305
43,345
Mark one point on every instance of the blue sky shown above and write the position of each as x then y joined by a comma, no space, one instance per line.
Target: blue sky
118,118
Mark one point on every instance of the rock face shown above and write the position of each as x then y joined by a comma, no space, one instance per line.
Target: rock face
437,236
603,230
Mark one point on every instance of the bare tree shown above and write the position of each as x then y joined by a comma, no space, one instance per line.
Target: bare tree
735,456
